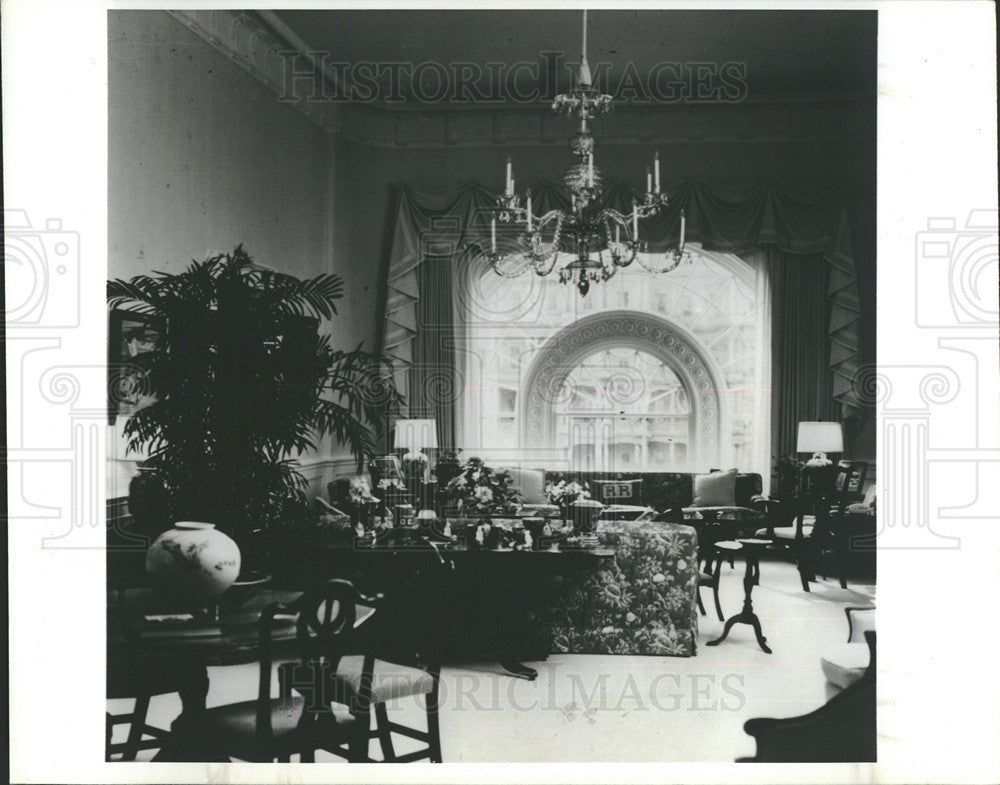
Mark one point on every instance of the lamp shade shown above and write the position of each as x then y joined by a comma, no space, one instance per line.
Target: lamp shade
415,435
820,437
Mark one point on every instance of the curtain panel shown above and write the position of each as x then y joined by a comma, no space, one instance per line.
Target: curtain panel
803,235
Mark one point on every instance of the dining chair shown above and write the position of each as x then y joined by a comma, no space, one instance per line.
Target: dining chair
408,665
829,540
311,711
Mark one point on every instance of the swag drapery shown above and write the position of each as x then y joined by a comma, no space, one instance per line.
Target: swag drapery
803,241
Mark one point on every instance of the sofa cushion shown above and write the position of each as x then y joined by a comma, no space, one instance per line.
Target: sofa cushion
618,491
845,663
717,489
531,484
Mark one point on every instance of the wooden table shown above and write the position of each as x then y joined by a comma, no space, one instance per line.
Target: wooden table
190,656
237,641
751,548
448,576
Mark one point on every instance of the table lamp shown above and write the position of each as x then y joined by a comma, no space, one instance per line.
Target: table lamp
414,436
819,438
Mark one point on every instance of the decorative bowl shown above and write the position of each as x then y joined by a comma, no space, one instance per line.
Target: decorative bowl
241,592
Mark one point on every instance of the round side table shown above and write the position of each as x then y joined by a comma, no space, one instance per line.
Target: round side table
751,548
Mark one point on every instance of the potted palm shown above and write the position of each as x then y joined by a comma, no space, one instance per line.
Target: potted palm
244,382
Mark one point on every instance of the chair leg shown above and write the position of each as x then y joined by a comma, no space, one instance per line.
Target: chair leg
701,605
718,605
433,726
136,728
357,747
384,733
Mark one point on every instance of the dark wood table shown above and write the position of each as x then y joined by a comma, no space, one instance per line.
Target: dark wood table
135,641
129,638
480,582
751,549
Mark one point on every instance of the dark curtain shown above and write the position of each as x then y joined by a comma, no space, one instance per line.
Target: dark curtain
434,378
801,382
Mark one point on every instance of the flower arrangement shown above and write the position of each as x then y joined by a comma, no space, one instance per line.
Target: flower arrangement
480,490
563,493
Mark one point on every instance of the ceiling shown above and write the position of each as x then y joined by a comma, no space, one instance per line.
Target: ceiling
784,52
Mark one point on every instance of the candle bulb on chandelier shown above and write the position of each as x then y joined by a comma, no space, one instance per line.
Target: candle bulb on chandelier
510,178
618,234
528,194
656,171
681,244
649,181
635,220
590,170
493,234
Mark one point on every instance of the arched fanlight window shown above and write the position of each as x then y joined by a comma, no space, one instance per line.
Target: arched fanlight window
717,307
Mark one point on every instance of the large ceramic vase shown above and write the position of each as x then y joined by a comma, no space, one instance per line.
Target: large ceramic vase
193,561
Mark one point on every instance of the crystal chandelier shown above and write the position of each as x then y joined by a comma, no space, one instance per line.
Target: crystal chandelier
601,240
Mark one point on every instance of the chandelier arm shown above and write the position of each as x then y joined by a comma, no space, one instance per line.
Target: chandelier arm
540,269
497,260
678,257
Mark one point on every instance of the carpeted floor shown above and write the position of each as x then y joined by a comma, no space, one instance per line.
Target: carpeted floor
614,708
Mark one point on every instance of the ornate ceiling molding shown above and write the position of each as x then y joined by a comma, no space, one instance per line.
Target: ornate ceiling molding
259,44
646,332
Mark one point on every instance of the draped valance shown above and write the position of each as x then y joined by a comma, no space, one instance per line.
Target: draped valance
731,218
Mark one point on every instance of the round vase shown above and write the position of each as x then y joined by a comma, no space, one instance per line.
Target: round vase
193,561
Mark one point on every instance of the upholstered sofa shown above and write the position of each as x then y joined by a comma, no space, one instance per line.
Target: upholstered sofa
665,490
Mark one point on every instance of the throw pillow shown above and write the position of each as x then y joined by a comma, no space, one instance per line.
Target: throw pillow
618,491
717,489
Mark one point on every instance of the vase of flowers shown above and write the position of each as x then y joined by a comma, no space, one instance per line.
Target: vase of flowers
481,492
563,494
